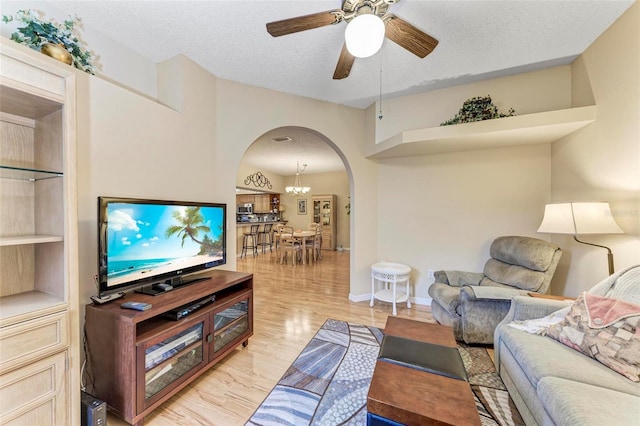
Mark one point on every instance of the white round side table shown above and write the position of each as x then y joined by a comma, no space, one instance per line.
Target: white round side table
390,274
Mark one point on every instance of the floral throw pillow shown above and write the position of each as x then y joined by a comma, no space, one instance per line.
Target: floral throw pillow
605,329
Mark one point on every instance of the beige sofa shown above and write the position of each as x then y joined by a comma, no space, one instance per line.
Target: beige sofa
553,384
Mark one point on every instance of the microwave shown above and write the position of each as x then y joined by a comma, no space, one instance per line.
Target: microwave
245,208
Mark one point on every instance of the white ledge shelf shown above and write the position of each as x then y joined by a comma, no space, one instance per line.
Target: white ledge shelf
542,127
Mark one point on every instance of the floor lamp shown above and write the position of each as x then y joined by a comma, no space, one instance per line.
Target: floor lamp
580,219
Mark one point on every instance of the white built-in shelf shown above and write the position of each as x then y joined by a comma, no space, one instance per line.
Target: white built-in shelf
22,173
542,127
29,239
16,306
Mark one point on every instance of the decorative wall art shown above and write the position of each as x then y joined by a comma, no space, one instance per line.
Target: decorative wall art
302,206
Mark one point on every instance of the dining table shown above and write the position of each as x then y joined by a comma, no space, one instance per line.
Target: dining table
301,235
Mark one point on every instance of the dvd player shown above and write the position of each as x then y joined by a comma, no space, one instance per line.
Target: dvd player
184,310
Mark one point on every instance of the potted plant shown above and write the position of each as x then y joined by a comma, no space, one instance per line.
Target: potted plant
478,109
51,38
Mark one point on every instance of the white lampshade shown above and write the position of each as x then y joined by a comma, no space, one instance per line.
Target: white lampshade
579,219
364,35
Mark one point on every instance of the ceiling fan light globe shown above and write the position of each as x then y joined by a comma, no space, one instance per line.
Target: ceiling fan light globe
364,35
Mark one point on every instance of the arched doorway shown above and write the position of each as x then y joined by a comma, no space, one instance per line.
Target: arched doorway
275,155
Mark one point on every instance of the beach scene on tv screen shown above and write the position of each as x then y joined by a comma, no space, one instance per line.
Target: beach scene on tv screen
146,240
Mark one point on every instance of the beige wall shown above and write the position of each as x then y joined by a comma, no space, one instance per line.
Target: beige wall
430,212
134,147
443,211
250,112
544,90
130,146
321,183
278,182
602,161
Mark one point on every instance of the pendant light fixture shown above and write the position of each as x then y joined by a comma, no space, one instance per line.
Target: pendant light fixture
297,188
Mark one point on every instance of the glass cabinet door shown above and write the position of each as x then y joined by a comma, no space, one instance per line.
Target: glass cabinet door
316,211
172,358
229,324
326,213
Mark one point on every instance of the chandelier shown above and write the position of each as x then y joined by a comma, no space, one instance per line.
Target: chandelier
297,188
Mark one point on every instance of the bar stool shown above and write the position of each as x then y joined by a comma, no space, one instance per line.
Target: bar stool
253,235
265,238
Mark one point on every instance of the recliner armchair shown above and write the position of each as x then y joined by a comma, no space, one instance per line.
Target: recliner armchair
474,303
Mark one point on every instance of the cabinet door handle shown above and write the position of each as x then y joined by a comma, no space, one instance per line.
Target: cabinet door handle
209,338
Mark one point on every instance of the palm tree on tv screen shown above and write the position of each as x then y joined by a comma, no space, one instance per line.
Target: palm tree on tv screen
191,224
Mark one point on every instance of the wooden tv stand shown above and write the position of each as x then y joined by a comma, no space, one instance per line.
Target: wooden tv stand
136,360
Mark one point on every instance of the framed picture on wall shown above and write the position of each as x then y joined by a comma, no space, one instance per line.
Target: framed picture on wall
302,206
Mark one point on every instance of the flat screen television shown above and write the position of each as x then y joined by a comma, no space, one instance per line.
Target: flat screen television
144,243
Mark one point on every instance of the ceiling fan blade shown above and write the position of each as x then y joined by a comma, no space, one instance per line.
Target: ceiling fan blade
409,37
344,64
303,23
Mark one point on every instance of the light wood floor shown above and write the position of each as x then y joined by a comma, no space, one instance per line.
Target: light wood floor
290,305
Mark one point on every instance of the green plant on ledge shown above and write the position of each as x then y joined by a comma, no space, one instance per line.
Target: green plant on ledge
35,33
477,109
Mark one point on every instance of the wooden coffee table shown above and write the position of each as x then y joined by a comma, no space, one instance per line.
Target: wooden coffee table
415,397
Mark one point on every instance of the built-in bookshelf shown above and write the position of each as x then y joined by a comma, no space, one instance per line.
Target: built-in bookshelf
38,239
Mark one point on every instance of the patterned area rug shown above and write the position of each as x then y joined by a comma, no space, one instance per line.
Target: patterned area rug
328,383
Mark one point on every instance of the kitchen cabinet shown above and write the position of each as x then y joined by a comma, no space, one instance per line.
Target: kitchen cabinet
245,199
262,203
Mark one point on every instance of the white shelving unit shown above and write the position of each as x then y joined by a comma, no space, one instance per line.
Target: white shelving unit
39,333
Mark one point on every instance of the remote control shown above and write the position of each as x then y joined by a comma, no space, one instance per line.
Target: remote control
138,306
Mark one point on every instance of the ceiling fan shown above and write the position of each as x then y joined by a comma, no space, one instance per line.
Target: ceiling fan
397,29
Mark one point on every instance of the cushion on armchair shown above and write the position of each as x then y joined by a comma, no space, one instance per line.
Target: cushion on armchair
519,262
530,253
499,274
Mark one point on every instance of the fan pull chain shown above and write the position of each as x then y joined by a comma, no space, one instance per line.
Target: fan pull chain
380,101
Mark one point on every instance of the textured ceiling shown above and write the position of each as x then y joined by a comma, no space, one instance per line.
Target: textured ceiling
478,39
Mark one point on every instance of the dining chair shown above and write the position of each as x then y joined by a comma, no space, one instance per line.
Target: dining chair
317,245
276,238
310,242
289,244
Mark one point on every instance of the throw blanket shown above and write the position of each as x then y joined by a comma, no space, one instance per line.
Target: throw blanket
622,285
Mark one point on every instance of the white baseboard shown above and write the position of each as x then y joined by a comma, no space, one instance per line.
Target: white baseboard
425,301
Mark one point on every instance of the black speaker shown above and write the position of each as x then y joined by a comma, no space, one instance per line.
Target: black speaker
94,411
